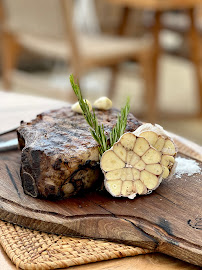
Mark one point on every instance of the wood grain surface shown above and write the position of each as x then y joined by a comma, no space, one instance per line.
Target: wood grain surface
168,221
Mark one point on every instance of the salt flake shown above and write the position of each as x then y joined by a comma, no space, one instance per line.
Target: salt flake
186,166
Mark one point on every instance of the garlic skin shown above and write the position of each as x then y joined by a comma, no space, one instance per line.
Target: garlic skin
76,107
103,103
161,141
138,162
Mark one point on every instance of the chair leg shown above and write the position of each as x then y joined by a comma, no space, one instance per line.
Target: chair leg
112,84
157,49
149,62
10,53
194,40
145,61
123,22
120,31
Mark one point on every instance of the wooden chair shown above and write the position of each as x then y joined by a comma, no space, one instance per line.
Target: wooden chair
46,27
180,23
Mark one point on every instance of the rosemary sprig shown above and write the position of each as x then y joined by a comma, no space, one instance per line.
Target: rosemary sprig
97,131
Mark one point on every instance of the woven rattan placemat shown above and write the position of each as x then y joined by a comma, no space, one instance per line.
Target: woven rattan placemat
31,250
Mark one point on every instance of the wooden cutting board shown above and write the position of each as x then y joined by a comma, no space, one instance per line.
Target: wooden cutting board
167,221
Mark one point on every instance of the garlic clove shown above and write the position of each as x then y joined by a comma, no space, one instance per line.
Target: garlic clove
76,107
103,103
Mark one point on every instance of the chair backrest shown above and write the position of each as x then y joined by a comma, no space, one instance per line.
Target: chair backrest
38,17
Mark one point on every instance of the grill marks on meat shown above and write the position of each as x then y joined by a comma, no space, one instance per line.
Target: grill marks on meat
59,156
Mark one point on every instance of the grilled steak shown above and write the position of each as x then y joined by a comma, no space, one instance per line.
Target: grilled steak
59,156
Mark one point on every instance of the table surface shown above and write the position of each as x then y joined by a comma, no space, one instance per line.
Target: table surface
158,4
16,107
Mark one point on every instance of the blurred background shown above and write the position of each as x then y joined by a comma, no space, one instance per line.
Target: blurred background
115,48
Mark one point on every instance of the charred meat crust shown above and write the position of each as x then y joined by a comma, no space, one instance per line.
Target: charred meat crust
59,156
